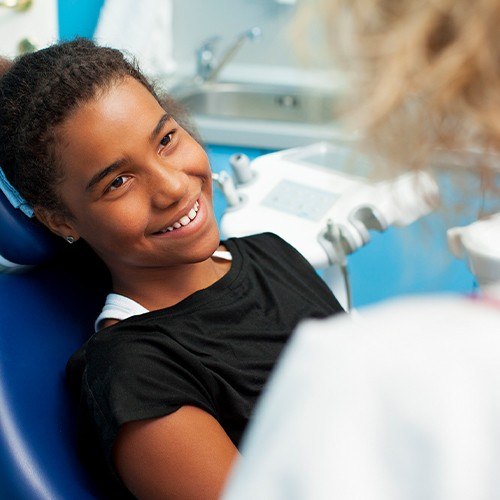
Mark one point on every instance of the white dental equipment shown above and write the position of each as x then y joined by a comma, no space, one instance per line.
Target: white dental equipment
226,184
479,243
303,195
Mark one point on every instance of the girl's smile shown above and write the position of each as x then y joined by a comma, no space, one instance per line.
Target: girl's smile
185,224
183,221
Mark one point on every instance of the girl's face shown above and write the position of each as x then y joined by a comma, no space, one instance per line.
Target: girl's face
131,174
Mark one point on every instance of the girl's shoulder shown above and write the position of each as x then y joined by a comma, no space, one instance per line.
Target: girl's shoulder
261,242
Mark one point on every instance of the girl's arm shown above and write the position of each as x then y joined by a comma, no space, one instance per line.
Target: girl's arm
184,455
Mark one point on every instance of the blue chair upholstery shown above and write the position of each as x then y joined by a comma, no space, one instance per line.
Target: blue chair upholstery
46,313
22,240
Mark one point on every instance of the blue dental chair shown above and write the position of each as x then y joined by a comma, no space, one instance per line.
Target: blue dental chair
47,311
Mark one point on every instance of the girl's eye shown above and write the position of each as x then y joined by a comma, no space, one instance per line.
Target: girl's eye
118,182
166,139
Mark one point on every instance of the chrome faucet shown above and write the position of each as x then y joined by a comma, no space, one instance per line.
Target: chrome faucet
208,66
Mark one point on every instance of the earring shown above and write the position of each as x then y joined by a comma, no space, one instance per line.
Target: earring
70,239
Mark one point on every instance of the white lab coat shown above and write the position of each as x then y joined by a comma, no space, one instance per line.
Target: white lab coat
403,404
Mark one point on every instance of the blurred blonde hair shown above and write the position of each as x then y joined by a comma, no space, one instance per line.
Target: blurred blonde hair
424,74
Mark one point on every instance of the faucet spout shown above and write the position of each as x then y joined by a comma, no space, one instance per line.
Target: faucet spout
208,68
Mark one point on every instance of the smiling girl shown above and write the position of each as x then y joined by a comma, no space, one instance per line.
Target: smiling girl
193,326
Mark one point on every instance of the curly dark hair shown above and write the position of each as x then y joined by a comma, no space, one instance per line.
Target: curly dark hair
38,91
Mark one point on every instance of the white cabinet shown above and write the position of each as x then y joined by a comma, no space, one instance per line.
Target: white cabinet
37,24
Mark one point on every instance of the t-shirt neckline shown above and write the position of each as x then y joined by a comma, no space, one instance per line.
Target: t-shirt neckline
196,299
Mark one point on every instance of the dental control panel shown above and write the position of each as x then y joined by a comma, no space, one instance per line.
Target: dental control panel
309,197
301,201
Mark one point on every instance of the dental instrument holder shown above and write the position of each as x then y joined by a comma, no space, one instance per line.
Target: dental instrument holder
479,244
242,174
241,167
305,196
225,183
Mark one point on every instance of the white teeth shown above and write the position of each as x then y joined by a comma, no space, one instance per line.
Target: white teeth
185,220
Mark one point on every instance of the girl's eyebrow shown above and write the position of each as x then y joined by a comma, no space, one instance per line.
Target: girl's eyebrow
164,119
102,174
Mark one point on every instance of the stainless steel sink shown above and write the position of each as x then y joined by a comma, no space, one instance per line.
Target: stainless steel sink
261,115
258,102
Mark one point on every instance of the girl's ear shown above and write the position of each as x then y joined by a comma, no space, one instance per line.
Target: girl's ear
57,222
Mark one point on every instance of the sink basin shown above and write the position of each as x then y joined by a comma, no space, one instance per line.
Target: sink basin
259,102
260,115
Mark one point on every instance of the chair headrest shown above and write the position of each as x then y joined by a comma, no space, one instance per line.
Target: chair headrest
24,241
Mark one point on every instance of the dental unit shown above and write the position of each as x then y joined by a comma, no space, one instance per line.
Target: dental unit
302,195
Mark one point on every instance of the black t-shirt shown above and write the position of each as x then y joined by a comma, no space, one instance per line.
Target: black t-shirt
213,350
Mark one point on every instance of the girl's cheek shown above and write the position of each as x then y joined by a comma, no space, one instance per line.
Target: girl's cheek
125,216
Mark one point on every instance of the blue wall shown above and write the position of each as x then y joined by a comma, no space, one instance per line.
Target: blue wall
78,17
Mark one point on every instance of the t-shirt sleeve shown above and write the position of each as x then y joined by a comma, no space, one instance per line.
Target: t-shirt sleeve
132,375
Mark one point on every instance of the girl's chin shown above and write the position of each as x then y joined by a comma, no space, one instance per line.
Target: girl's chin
211,244
204,247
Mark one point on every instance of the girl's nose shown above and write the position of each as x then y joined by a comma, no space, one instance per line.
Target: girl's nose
168,185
